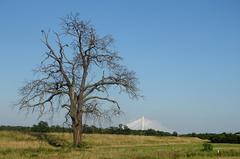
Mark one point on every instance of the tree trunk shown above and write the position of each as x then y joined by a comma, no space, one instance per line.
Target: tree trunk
77,123
77,130
77,139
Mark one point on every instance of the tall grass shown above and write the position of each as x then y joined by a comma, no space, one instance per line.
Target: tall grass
16,145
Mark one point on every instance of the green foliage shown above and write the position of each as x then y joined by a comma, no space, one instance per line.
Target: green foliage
218,138
41,127
225,138
207,147
175,133
123,129
15,128
35,128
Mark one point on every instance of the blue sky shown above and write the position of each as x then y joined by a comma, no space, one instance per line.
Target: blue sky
186,54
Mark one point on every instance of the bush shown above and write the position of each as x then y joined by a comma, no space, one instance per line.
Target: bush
207,147
174,133
41,127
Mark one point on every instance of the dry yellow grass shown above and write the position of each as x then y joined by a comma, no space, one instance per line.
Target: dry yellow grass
132,140
18,140
17,145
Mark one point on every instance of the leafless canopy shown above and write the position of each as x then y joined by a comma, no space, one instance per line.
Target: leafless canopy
79,71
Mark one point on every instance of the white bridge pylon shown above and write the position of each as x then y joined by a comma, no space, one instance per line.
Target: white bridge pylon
145,124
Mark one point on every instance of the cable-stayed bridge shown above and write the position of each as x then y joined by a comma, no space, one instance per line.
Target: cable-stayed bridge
145,124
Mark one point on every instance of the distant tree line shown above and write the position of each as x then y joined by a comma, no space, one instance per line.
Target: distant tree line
15,128
218,138
123,129
43,126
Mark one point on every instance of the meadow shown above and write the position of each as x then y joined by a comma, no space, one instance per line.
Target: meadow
19,145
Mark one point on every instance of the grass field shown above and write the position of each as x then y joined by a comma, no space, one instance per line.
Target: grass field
17,145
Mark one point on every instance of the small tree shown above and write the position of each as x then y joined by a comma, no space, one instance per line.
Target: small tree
41,127
207,147
175,133
77,74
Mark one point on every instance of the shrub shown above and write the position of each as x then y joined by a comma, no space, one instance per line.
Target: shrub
207,147
175,133
41,127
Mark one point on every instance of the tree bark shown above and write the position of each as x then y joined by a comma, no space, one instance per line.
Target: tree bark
77,130
76,117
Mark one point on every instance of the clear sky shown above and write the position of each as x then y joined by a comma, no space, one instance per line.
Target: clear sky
186,54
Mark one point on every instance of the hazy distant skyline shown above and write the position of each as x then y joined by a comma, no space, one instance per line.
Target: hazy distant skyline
186,55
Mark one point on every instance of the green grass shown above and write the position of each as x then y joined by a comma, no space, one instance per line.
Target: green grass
17,145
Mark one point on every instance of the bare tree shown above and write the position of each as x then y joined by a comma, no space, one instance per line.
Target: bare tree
78,72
